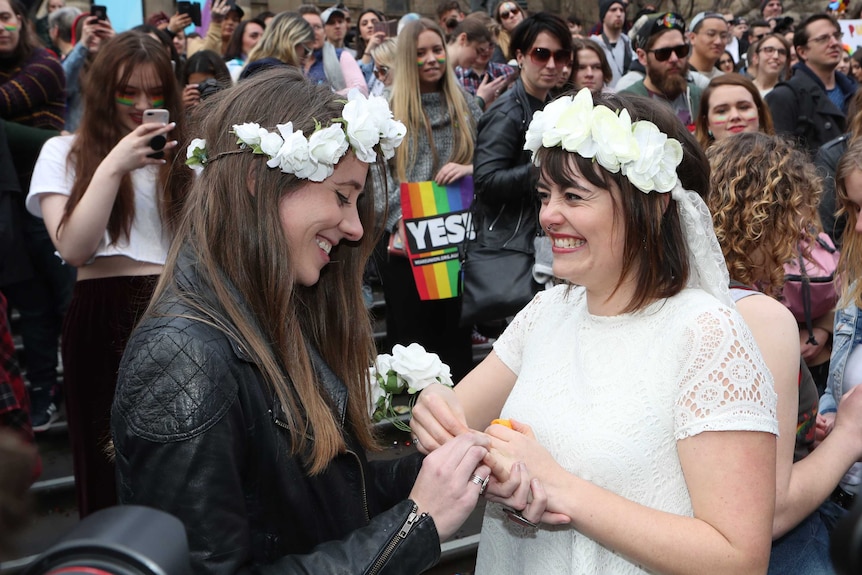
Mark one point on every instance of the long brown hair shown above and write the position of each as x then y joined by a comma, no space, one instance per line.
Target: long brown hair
232,227
100,130
407,103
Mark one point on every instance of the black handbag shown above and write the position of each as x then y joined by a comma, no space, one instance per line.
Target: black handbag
497,266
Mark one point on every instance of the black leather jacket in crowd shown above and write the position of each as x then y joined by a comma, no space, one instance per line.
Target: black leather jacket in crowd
503,175
198,434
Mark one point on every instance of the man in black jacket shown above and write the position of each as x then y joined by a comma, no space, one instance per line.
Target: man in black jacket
812,105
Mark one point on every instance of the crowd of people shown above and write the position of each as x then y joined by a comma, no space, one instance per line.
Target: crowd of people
192,222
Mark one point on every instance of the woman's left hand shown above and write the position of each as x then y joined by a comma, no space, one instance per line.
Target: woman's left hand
521,492
452,172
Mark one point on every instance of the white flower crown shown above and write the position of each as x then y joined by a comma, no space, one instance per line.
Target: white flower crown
364,123
645,155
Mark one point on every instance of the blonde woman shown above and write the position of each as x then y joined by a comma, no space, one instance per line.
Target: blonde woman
441,130
383,56
288,39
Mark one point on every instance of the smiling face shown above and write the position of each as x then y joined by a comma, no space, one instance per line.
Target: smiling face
431,60
587,238
732,111
142,91
510,15
318,216
771,57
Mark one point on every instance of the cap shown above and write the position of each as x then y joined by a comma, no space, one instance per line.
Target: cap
701,16
336,9
657,23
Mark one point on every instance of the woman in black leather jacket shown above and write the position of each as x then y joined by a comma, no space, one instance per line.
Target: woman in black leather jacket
504,177
242,404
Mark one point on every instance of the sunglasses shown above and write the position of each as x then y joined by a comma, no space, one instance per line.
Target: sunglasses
543,55
306,51
509,10
381,72
663,54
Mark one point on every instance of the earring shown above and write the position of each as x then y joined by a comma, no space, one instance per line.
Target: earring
710,133
549,226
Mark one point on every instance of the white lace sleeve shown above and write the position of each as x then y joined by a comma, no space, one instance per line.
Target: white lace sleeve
724,383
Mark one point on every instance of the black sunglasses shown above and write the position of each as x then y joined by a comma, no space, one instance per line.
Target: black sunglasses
504,15
663,54
542,55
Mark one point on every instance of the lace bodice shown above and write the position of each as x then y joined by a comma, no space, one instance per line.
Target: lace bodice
609,397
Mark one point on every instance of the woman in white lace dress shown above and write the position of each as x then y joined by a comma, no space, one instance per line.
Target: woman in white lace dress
636,395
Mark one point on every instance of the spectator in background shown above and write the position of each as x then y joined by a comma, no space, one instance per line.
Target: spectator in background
770,59
288,40
730,105
109,206
576,26
42,25
708,37
590,66
470,40
32,95
205,73
224,18
811,107
484,69
325,62
384,57
856,66
244,39
617,46
725,63
335,23
60,27
771,9
93,32
449,15
369,38
508,15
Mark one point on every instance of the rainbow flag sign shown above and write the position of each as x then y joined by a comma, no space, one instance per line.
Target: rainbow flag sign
437,220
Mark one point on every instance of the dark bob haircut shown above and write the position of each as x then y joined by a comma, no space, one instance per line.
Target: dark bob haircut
525,33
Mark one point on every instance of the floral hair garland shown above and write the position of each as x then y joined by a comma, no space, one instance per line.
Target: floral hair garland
644,155
364,123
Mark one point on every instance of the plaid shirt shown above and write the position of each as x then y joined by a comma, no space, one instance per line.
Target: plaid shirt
471,80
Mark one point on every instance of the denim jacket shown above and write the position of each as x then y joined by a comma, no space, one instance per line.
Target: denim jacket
847,335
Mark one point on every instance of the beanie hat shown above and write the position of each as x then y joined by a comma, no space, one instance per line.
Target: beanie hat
763,4
605,5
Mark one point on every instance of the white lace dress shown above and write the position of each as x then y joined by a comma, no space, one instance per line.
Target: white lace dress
609,397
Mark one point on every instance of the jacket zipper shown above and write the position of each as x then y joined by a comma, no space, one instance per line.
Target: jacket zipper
362,478
393,544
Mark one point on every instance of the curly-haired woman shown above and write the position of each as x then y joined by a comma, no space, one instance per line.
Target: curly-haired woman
763,199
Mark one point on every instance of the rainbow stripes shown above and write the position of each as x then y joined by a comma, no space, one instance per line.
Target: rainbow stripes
124,101
436,222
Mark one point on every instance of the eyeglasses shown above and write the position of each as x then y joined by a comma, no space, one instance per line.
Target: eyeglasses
306,51
508,10
772,50
381,72
663,54
543,55
824,38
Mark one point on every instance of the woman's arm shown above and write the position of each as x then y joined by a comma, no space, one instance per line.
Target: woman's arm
79,237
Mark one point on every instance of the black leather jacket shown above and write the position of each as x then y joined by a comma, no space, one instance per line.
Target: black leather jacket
826,160
504,177
198,434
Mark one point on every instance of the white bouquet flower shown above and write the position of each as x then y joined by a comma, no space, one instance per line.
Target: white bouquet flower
409,369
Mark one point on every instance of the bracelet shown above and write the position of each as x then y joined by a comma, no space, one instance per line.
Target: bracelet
481,102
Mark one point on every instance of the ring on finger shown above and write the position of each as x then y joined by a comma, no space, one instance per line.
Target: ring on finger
477,479
416,440
484,485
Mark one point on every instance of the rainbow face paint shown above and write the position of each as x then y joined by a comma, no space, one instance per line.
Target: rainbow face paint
124,101
158,102
10,27
440,60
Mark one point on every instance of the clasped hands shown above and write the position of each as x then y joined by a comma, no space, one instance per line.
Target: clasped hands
515,459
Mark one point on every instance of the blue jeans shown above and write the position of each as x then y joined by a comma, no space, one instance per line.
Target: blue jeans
805,548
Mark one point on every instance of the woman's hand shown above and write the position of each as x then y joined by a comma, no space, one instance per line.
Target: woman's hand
445,488
521,493
179,22
191,96
489,89
452,172
437,418
219,10
132,152
822,427
373,42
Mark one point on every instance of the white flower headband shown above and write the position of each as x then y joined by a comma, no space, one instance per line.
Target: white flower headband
645,155
648,158
364,123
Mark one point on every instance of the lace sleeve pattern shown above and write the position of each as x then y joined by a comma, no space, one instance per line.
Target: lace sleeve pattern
724,383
